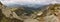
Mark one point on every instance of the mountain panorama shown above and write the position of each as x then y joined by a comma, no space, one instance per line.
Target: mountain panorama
29,3
26,13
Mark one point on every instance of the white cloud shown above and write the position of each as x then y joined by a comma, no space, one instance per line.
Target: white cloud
29,1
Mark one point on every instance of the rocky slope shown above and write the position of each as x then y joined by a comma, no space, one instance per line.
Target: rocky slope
22,14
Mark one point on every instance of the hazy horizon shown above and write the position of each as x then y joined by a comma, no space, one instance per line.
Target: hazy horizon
30,3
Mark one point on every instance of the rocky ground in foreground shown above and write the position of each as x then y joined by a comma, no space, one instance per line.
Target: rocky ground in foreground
49,14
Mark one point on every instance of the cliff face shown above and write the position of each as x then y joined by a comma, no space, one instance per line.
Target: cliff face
49,14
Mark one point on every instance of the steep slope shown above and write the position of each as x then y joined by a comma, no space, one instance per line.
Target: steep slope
48,13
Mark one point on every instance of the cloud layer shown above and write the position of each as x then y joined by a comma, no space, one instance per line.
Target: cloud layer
24,2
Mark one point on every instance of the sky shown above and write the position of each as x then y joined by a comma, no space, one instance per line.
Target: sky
27,2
